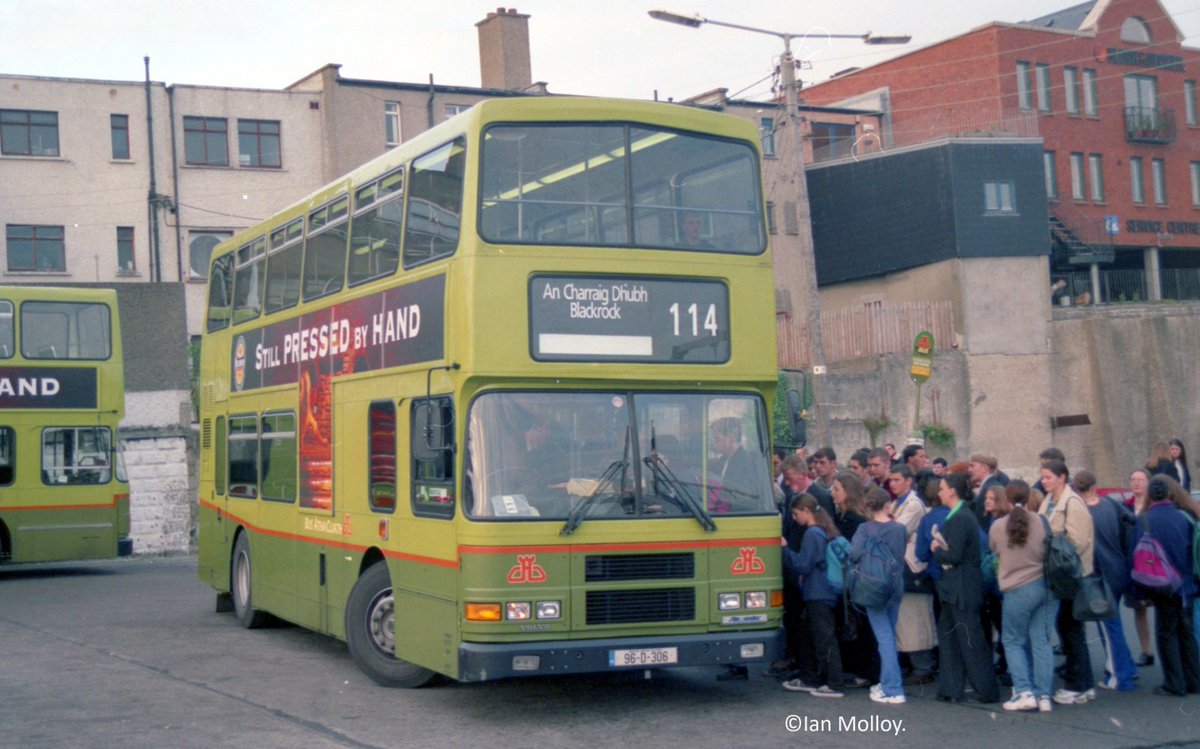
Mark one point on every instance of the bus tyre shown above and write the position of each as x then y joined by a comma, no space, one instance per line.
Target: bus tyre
243,602
371,632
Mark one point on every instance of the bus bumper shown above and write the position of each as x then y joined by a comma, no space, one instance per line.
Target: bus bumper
124,547
485,661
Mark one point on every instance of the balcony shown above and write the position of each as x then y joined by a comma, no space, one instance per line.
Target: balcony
1149,125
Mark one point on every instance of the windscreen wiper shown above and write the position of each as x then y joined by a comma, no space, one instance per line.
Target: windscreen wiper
606,478
680,492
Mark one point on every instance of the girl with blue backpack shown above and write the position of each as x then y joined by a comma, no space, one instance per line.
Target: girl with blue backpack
877,551
821,659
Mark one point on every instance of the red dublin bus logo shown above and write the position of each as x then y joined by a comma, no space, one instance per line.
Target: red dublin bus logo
747,562
526,570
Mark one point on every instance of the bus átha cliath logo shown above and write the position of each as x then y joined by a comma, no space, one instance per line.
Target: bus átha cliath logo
747,562
526,570
239,363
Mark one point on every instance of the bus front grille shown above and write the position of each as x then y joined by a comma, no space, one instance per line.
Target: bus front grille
634,606
639,567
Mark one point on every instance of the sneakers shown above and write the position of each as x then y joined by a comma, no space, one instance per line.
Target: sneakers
1143,660
796,685
876,689
1068,697
885,699
1023,702
857,682
1044,705
826,691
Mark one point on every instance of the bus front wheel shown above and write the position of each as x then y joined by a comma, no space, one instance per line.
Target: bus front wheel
371,632
243,603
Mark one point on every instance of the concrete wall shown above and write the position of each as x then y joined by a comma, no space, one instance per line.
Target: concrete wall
161,504
1132,369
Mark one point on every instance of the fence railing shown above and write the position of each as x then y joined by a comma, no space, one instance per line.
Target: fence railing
1120,286
866,330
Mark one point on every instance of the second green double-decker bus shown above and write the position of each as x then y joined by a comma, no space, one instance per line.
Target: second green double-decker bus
63,490
496,403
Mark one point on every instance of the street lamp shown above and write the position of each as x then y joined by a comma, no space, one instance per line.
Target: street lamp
787,67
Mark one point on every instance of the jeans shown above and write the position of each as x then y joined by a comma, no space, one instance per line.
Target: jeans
883,624
1029,613
1119,668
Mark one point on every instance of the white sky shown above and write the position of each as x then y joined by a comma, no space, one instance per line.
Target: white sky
597,47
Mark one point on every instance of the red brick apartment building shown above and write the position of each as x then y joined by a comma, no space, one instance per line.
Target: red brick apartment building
1111,91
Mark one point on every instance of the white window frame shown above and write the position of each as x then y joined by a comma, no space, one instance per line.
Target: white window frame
1051,173
1195,170
1091,103
1189,103
1078,180
999,197
1096,177
1071,89
1137,179
1158,176
1024,89
392,134
1042,77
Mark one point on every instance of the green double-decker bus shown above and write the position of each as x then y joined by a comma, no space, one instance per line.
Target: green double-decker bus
496,403
63,490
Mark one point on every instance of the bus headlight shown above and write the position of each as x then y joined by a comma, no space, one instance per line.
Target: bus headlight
729,601
549,610
517,611
756,600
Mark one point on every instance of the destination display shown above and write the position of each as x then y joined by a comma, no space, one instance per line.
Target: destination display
47,387
607,318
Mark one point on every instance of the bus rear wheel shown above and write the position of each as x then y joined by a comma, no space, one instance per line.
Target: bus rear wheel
371,632
243,603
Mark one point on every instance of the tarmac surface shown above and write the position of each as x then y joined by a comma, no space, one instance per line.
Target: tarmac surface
130,653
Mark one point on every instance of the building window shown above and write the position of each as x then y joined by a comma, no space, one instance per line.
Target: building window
1137,182
831,140
1195,167
772,226
200,247
205,141
1189,102
1096,176
36,248
999,197
1024,89
766,135
28,133
453,110
125,249
1077,176
391,122
1091,104
1051,174
1158,176
1141,98
258,144
1135,30
119,127
1043,87
1071,89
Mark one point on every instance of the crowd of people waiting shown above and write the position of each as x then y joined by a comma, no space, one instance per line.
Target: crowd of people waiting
974,584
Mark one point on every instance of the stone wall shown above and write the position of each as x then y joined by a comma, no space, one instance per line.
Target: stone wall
161,464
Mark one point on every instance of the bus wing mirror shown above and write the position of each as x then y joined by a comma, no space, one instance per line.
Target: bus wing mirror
430,435
796,423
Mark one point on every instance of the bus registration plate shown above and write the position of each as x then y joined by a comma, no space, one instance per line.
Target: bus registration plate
641,657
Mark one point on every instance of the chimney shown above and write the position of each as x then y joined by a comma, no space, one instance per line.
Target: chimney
504,50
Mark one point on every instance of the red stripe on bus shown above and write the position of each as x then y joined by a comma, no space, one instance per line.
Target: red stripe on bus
328,541
595,547
30,508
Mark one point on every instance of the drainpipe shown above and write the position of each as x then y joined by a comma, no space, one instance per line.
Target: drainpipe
175,185
156,269
429,103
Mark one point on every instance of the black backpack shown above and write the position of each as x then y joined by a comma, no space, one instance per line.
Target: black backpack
1062,567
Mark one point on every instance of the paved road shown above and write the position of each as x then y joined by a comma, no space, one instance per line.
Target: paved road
130,654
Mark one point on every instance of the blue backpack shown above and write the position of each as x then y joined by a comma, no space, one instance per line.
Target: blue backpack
874,580
837,563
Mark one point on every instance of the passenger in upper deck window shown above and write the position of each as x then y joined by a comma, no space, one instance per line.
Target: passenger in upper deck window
693,230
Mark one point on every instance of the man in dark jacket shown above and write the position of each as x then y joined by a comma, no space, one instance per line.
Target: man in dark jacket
956,547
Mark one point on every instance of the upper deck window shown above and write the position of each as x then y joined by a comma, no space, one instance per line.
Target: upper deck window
66,330
619,186
7,348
